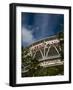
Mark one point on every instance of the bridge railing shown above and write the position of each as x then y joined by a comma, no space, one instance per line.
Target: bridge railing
50,57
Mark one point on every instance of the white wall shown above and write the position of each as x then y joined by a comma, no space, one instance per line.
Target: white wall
4,44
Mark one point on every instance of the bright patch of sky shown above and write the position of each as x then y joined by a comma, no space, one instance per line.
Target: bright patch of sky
36,26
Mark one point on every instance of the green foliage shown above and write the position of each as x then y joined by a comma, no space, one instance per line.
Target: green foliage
48,71
52,71
29,62
61,44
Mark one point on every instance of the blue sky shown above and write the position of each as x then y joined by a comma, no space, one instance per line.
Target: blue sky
36,26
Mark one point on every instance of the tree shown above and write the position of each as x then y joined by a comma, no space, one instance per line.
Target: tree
61,44
29,63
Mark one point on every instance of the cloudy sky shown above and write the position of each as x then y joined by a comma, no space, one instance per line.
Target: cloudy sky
36,26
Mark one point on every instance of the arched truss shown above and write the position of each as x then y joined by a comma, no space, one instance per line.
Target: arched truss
44,53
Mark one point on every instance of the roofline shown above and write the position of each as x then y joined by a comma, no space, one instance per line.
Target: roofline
44,39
